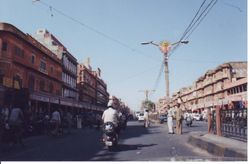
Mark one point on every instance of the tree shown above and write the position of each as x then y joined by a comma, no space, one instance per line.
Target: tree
147,104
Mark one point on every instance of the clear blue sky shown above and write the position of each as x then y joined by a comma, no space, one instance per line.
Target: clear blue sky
221,37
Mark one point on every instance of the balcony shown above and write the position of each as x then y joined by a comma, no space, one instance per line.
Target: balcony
207,82
43,71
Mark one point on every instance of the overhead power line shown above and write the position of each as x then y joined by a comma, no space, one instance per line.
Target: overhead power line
51,8
195,22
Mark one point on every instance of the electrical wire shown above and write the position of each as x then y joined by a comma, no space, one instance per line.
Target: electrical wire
195,22
192,26
186,38
51,8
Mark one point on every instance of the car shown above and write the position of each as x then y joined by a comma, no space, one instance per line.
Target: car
197,117
163,118
141,117
137,114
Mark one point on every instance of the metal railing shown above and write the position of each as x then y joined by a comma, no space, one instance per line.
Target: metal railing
234,123
213,122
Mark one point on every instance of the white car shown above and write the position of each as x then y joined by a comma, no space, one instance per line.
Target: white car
141,117
197,117
137,114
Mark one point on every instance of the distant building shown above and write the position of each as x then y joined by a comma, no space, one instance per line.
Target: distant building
86,83
102,95
92,89
161,105
226,86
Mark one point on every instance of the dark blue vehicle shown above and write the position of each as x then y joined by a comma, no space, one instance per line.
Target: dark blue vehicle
163,118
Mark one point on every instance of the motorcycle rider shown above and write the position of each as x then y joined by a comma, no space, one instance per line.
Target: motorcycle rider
111,115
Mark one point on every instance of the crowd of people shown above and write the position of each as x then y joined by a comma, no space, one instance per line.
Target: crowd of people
16,123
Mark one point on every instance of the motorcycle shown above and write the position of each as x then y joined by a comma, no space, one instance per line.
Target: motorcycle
189,121
110,136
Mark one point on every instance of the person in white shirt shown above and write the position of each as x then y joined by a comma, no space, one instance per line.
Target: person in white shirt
110,114
16,120
56,119
146,117
170,120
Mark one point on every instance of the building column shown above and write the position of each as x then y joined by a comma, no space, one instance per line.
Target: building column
218,120
209,120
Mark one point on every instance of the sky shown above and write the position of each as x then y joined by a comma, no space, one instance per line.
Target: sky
110,33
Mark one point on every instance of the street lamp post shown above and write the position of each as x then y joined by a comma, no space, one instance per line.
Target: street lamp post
165,48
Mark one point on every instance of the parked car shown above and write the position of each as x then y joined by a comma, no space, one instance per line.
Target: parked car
197,117
163,118
141,117
137,115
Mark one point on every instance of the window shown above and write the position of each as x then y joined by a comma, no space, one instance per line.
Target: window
51,69
31,82
42,85
33,59
4,46
17,82
245,87
18,51
42,66
51,88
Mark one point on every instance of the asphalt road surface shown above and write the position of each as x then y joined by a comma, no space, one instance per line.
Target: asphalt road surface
136,144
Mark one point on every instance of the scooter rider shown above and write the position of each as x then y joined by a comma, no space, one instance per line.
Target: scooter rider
111,115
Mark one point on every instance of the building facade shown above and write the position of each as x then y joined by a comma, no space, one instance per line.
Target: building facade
69,62
29,72
226,85
92,89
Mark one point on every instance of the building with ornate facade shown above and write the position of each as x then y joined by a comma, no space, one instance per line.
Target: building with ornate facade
226,85
69,62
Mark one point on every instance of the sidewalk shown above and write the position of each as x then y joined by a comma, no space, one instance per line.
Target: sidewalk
219,146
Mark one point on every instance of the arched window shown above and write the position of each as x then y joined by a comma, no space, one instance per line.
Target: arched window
17,82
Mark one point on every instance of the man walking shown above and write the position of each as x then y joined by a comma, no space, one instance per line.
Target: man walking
16,120
179,118
170,120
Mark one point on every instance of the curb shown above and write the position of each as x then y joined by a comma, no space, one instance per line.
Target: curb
215,148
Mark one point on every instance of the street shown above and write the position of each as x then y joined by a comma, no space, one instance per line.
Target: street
136,144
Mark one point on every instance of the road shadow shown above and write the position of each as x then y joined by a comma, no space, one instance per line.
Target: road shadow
125,147
137,130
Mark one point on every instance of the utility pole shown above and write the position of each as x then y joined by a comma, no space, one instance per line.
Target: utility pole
165,48
146,91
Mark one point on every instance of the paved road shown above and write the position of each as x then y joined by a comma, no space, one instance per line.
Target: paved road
136,144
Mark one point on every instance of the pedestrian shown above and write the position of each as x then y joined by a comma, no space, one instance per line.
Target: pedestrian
146,117
170,120
5,113
56,120
16,120
46,123
69,121
179,118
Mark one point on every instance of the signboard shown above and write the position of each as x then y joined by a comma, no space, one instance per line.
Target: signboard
54,100
66,103
7,82
39,98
